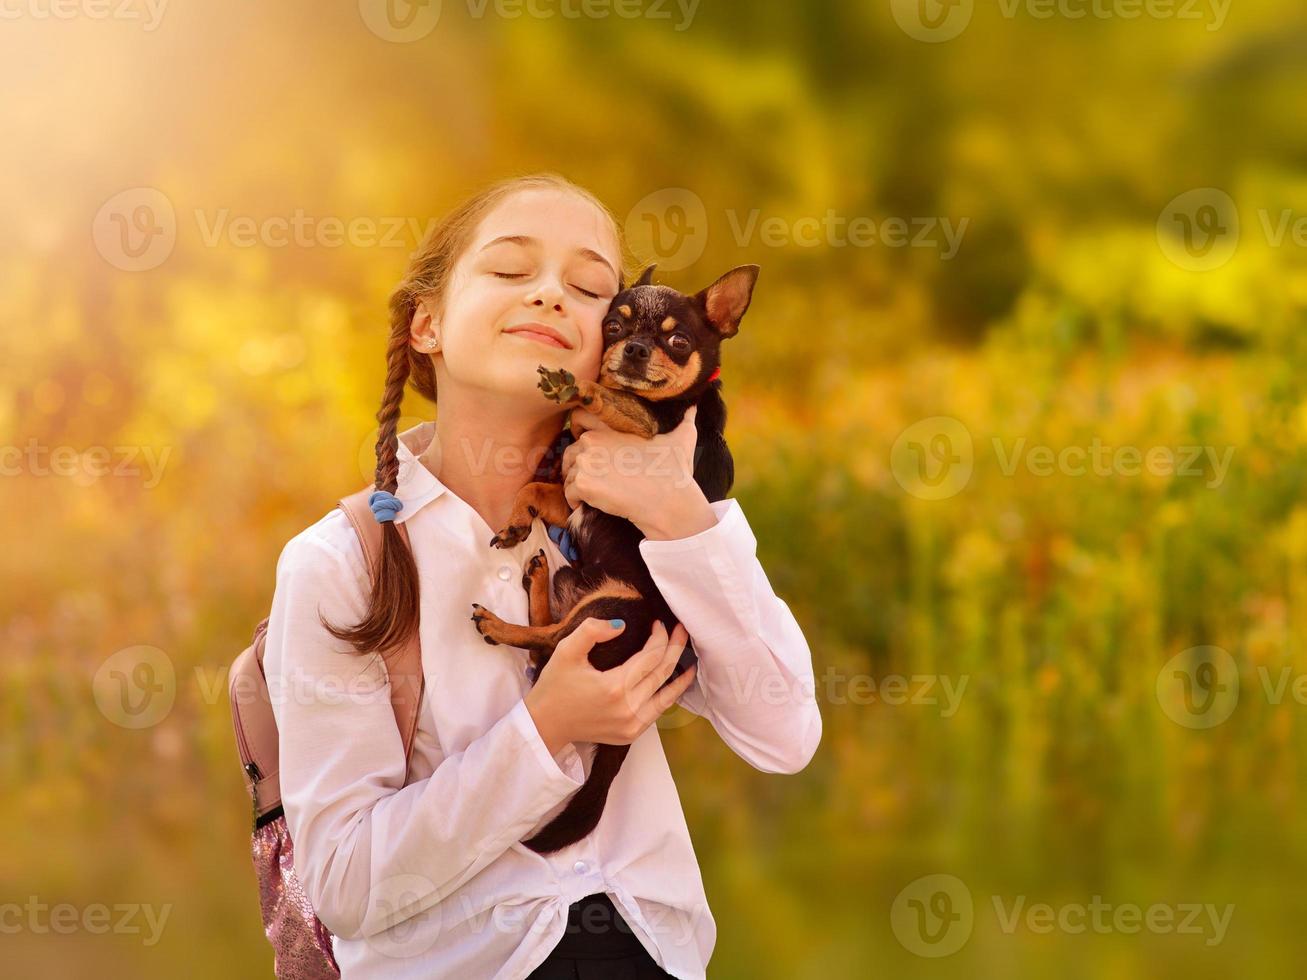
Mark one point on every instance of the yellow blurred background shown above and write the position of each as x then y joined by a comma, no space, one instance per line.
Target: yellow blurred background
1017,415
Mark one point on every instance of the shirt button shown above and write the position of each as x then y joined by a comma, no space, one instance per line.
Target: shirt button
581,868
505,572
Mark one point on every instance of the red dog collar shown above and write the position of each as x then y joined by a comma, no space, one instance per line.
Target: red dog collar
716,373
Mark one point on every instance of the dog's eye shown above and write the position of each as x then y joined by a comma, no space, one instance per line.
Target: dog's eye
612,328
679,343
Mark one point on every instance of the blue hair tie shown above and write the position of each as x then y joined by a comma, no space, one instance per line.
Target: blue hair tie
385,505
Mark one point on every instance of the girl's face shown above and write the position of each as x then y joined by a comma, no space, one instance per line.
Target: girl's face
543,261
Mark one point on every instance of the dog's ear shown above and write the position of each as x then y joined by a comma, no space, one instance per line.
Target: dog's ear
726,301
647,278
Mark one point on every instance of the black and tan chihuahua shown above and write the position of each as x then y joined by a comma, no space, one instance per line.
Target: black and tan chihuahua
661,355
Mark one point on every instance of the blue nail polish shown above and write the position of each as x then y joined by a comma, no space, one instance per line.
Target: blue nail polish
617,624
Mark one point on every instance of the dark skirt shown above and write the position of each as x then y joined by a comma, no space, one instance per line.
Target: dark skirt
598,945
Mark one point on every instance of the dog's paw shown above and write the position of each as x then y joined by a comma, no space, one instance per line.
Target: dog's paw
533,568
480,615
558,386
511,536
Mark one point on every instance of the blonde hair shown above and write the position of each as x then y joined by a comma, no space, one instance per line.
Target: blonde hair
392,615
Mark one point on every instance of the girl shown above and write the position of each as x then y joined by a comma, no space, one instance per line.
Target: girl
418,870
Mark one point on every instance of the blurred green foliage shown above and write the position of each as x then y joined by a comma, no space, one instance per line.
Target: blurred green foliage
1063,319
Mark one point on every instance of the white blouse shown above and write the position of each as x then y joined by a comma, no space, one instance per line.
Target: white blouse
428,877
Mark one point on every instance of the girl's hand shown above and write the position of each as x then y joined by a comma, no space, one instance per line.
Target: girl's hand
573,701
650,482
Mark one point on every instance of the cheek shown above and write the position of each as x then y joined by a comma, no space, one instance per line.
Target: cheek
592,347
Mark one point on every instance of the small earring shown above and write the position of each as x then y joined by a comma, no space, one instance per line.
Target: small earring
431,344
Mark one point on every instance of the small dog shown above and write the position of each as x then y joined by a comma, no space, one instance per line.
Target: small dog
661,355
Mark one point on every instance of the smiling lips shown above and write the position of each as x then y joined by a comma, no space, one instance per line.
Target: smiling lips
541,334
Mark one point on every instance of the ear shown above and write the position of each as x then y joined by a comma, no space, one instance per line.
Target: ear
647,278
726,300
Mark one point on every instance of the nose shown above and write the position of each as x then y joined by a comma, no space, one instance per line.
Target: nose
636,350
548,294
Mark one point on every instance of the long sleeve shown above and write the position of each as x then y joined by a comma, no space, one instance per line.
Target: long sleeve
754,682
370,851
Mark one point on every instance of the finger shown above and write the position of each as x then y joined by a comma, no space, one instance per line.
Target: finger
570,489
670,694
569,458
587,633
664,665
583,420
645,659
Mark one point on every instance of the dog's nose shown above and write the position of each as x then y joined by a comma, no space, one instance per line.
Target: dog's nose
637,350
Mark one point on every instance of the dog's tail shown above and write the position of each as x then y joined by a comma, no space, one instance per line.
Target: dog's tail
583,810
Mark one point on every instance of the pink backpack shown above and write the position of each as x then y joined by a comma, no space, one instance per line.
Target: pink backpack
301,943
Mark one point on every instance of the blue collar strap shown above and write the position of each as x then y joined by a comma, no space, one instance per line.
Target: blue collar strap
561,537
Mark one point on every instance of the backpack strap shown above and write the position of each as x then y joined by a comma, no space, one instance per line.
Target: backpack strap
404,667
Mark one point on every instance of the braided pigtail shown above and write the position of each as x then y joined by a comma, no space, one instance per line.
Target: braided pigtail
392,614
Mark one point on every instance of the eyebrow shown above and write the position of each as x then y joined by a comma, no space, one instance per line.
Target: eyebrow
588,253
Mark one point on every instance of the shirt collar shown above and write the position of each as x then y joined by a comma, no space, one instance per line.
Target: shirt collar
418,486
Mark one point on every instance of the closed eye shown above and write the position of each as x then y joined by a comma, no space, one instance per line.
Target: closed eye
509,275
585,292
